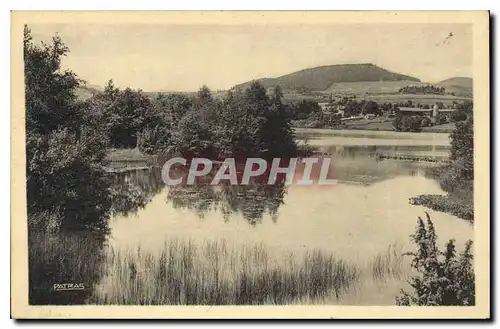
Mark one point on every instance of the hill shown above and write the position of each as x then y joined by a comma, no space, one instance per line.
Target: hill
86,91
461,86
323,77
457,81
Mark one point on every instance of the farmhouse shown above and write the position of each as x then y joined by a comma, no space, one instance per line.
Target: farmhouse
430,113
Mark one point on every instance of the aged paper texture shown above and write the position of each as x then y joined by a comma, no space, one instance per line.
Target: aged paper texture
250,164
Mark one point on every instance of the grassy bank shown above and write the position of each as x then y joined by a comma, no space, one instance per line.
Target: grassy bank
459,200
447,204
126,159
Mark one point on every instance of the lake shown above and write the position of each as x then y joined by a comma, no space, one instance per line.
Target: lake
363,219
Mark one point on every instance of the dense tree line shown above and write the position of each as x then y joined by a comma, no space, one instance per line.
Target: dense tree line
67,139
427,89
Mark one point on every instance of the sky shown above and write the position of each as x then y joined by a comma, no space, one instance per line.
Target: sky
161,57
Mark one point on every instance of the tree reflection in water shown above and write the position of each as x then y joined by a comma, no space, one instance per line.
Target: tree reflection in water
133,190
252,201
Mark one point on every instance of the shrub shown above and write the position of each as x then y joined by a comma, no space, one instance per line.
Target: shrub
445,203
458,115
407,123
441,119
443,277
426,122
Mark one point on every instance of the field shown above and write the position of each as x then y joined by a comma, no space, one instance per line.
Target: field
371,87
415,99
379,91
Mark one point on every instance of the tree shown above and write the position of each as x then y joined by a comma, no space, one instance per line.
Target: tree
65,143
194,133
352,108
127,114
407,123
462,148
50,93
443,277
304,108
371,107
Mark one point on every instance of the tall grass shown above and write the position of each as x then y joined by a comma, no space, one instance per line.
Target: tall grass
187,273
60,257
389,264
214,274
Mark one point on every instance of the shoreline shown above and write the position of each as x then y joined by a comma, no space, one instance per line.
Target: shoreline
368,133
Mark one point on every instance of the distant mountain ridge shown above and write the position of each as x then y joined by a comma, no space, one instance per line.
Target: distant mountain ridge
323,77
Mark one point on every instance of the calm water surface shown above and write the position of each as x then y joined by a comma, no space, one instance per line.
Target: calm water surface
356,219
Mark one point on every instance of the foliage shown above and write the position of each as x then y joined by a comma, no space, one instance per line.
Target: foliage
457,178
426,122
441,119
462,147
444,278
304,108
127,113
407,123
427,89
371,107
444,203
243,124
458,115
65,146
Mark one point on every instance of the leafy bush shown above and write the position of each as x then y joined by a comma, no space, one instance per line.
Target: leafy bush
441,119
445,203
444,278
458,115
426,122
304,108
462,148
407,123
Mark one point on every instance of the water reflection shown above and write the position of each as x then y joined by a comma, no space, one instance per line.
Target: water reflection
358,165
133,190
252,201
357,219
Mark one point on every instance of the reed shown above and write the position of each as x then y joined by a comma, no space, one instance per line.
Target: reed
212,273
57,258
389,264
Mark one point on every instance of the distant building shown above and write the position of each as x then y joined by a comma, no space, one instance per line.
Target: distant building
415,111
326,107
352,118
431,113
